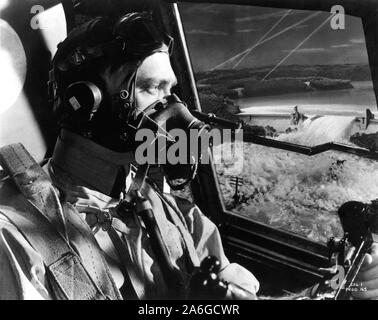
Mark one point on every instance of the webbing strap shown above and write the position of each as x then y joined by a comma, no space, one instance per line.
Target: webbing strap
133,280
177,218
33,183
68,278
43,227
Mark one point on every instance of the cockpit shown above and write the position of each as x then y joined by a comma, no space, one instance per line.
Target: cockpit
299,78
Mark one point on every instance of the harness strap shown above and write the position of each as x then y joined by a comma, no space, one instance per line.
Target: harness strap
68,277
33,183
133,280
178,219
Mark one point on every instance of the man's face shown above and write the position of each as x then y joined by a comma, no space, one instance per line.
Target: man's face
155,79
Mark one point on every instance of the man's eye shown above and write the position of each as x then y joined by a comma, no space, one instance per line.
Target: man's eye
152,89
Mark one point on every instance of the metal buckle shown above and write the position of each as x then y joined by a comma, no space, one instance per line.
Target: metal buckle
125,208
107,223
104,221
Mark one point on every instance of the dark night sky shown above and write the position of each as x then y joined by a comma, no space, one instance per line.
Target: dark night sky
217,32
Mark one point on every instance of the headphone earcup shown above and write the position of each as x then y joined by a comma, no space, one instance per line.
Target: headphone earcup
82,100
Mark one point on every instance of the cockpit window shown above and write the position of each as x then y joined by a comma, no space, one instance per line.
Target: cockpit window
295,76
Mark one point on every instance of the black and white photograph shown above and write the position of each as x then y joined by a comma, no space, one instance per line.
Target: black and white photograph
189,155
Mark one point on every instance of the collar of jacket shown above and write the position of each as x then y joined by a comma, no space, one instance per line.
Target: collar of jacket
89,164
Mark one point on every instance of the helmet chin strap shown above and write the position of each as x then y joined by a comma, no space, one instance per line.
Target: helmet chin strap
125,106
128,96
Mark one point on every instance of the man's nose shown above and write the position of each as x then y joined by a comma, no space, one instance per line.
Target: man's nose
165,93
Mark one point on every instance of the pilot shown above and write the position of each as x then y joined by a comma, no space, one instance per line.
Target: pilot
63,231
105,74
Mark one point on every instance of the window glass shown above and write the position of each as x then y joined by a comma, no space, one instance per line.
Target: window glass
296,76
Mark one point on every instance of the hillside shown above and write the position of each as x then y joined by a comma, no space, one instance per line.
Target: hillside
287,79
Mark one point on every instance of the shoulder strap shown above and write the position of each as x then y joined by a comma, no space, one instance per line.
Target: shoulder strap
178,219
33,183
68,277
